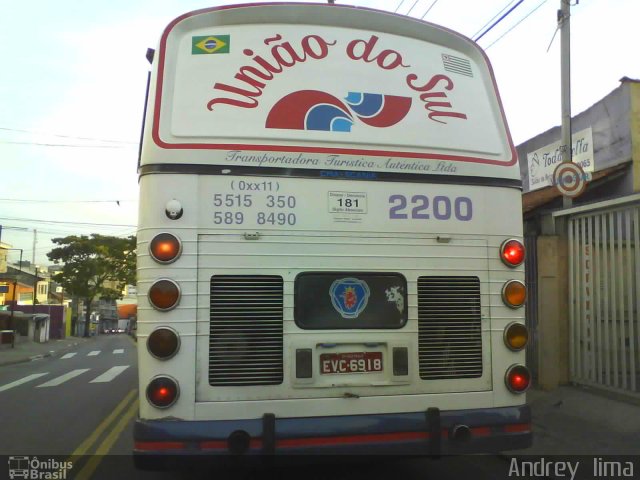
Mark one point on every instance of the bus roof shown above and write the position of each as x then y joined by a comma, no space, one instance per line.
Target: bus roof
321,86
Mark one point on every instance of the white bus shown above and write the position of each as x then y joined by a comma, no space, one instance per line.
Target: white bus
330,252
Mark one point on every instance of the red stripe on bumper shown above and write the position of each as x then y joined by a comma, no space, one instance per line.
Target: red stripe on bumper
352,439
518,427
223,444
150,446
481,431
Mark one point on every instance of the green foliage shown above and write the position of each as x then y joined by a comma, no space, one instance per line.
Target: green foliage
95,267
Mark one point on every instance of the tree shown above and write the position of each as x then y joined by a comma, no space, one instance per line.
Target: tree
96,267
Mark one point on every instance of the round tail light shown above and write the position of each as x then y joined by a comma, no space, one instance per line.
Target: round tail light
512,252
517,378
165,248
516,336
164,294
514,293
163,343
162,392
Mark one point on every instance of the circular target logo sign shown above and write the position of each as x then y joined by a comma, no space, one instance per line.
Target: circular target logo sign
570,179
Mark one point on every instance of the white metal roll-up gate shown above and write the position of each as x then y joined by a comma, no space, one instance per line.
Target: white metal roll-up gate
604,298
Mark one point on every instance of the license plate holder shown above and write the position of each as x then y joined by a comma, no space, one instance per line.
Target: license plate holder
350,362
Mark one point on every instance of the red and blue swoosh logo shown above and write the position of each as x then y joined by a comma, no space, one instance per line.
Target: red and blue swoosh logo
316,110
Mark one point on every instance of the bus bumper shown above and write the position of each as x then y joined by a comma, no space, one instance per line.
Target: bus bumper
432,432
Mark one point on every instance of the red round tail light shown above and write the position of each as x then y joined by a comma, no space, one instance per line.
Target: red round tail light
163,343
165,248
512,252
517,378
164,294
162,392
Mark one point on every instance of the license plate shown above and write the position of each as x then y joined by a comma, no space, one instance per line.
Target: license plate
354,362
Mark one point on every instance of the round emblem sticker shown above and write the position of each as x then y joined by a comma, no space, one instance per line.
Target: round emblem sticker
349,296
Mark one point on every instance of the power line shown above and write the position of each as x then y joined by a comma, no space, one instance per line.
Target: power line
414,4
428,9
57,222
493,18
38,144
28,200
62,231
498,21
66,136
398,7
522,20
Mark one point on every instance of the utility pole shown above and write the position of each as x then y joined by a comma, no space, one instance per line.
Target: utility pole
564,18
35,236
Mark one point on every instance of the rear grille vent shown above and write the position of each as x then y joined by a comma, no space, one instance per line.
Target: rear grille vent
449,330
245,335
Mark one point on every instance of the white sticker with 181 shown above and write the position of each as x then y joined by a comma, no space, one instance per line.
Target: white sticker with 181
347,202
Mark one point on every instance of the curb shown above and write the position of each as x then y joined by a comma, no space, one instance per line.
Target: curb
38,357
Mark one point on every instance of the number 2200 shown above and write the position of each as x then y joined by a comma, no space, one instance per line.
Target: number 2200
441,207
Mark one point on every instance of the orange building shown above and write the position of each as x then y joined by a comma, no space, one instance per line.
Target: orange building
23,282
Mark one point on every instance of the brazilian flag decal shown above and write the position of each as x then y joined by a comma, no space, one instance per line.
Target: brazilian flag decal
210,44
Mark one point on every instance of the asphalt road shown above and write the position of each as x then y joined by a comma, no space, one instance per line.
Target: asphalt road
80,407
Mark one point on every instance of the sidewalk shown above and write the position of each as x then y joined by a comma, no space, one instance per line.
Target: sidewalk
575,420
25,351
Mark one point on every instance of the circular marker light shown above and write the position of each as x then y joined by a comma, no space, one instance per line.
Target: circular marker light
512,252
517,378
173,209
514,293
164,294
162,392
163,343
165,248
516,336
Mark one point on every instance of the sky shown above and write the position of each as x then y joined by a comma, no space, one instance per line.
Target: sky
73,81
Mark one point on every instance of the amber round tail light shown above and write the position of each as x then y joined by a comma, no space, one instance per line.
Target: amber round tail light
165,248
517,378
163,343
164,294
514,293
512,252
162,391
516,336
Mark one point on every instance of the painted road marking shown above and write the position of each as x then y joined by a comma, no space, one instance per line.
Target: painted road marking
107,444
94,353
84,447
63,378
110,374
26,379
118,350
68,355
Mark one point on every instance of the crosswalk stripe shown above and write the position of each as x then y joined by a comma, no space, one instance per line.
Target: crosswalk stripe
26,379
63,378
68,355
118,350
94,353
110,374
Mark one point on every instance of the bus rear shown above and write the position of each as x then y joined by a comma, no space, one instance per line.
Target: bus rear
330,240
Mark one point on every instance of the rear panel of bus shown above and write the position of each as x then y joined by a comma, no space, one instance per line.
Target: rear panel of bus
256,298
